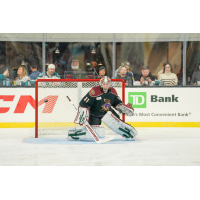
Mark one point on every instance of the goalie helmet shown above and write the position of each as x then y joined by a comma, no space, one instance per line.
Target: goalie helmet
105,83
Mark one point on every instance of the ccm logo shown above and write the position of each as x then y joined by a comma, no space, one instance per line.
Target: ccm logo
25,99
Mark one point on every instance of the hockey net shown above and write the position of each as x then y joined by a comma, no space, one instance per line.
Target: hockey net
53,112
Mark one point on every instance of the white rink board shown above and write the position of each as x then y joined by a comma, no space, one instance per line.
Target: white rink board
29,113
188,103
187,108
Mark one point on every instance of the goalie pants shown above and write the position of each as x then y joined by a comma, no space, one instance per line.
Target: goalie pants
93,120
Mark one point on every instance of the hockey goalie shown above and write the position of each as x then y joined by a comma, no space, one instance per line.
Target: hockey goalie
97,107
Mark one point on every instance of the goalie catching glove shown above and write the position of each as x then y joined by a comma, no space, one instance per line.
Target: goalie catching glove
125,109
82,115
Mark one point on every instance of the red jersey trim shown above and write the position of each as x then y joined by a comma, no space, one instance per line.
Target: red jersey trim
95,91
113,91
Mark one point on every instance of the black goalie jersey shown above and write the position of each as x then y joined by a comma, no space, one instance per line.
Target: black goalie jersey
98,102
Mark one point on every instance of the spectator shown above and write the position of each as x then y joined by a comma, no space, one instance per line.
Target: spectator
127,65
102,72
22,75
51,74
162,70
95,68
4,73
146,77
168,76
122,75
35,73
195,76
129,73
94,64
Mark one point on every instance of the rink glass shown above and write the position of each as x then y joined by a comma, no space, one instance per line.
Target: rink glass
72,52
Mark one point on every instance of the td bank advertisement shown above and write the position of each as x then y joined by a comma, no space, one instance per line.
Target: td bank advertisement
164,107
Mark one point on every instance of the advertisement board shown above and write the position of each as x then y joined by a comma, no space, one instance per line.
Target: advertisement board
154,107
17,107
164,106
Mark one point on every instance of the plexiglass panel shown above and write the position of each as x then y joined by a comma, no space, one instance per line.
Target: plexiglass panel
79,55
146,53
17,53
193,59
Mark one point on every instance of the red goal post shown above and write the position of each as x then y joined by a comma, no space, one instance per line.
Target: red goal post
51,105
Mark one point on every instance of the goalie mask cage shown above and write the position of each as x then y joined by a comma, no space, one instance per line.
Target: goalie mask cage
53,111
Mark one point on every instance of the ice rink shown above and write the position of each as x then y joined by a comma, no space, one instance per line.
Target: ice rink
154,147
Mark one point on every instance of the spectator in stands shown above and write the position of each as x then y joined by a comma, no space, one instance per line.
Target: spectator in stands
195,76
102,72
146,77
35,73
94,64
129,73
162,70
51,74
168,76
22,75
95,67
4,73
122,75
127,65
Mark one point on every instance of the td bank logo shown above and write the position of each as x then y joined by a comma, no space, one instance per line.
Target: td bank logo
138,99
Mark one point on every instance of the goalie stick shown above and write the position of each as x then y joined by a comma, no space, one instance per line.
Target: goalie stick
89,128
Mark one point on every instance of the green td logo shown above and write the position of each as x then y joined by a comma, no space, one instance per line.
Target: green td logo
138,99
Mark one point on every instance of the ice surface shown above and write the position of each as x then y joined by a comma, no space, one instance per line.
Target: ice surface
154,147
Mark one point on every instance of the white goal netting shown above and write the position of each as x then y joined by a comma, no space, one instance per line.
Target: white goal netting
54,113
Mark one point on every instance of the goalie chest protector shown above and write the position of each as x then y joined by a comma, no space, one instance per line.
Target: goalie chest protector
99,102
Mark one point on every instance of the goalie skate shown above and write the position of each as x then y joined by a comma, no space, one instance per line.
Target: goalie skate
81,133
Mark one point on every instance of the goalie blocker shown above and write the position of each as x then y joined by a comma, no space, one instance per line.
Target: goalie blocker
82,115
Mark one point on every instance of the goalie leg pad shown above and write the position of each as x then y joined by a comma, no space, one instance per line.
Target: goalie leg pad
118,126
81,133
76,134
